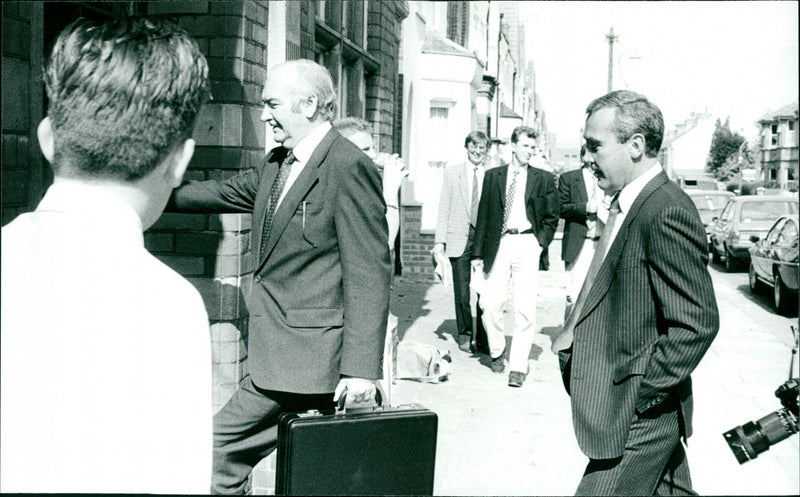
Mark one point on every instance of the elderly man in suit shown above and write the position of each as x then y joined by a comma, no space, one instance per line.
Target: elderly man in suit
455,233
517,218
645,316
320,294
584,214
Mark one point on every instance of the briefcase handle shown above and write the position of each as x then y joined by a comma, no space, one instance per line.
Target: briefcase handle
340,405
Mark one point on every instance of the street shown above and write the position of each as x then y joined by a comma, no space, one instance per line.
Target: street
497,440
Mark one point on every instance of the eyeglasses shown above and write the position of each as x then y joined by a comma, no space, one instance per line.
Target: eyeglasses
476,148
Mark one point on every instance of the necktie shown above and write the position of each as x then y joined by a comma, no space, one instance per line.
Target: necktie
274,194
509,200
564,340
475,198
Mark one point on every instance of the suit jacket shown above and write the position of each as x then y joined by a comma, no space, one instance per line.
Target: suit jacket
541,208
452,226
572,192
648,319
320,294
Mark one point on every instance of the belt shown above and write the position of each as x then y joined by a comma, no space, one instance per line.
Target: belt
593,238
515,231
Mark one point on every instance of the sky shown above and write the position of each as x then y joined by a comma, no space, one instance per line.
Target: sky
730,59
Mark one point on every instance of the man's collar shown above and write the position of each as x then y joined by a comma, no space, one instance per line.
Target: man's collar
305,147
628,194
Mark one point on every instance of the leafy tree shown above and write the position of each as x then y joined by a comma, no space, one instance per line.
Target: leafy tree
723,156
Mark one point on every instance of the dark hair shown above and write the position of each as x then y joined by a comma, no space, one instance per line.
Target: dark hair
634,115
122,95
523,130
476,137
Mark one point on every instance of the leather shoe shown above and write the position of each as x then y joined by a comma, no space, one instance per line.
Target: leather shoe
465,343
516,379
498,365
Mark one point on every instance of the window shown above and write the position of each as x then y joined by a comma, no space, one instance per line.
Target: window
438,135
776,136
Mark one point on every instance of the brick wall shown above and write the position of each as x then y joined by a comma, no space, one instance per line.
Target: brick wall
415,252
23,170
213,251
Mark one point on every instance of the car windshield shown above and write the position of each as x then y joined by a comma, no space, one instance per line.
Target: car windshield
710,202
766,211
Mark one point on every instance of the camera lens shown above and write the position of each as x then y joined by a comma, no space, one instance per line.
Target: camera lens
753,438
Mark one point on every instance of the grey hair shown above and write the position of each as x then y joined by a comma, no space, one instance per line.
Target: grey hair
313,80
634,115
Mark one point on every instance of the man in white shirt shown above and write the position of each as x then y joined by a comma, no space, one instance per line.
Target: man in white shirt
106,359
517,218
455,233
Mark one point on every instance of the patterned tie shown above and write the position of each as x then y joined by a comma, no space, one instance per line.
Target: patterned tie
564,340
475,198
274,194
512,188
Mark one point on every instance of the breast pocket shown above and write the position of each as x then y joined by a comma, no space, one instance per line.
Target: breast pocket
314,224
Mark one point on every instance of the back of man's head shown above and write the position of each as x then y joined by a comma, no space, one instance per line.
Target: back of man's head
122,96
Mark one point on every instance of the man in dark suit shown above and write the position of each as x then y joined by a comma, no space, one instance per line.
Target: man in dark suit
320,293
644,320
517,218
584,215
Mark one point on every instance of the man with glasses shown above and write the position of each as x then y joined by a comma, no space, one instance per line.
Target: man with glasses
455,231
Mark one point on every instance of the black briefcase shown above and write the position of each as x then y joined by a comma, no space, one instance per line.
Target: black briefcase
383,450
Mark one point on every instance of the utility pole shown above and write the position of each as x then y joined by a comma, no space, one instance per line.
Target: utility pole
611,37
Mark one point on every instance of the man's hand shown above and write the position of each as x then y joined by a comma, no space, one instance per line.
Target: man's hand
477,264
394,170
360,392
438,248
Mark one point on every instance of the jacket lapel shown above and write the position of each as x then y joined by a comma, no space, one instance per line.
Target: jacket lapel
304,182
530,183
502,176
463,178
580,186
605,275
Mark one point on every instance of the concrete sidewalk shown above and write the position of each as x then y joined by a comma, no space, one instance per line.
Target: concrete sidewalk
498,440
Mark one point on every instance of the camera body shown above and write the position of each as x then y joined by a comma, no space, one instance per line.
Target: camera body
751,439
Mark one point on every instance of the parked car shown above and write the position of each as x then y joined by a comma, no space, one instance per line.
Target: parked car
773,262
699,183
741,218
709,204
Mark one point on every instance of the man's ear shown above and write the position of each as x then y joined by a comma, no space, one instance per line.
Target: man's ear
309,106
637,146
177,167
45,134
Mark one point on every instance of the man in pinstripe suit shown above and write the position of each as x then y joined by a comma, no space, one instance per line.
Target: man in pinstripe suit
644,319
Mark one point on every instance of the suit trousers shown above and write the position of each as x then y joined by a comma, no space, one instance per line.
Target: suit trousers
576,272
517,261
653,463
461,295
246,431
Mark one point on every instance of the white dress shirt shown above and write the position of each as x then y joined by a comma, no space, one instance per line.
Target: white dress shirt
627,196
596,194
106,356
302,153
518,218
470,169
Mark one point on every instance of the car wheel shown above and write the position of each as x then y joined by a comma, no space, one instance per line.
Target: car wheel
782,297
731,264
756,286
